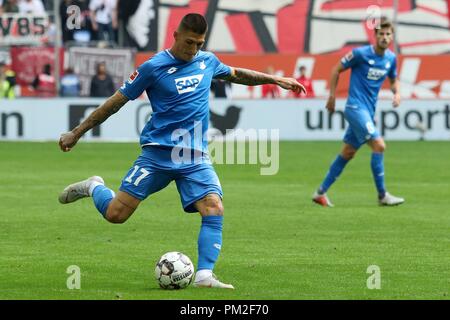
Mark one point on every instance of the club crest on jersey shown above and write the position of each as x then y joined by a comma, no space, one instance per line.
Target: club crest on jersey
188,84
133,76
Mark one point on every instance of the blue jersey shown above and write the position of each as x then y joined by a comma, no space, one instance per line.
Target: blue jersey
179,94
369,70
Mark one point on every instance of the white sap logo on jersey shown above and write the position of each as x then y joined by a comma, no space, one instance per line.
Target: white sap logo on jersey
375,74
188,84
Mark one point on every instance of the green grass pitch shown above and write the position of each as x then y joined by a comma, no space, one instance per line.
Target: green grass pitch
276,244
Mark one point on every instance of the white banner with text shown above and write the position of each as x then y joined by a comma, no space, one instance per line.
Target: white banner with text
46,119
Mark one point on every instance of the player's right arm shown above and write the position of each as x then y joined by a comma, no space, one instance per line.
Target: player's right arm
331,102
139,80
113,104
348,61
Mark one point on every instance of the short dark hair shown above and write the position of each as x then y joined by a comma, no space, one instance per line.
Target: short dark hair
383,24
100,63
194,22
47,68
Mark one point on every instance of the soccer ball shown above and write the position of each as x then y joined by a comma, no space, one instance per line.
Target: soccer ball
174,270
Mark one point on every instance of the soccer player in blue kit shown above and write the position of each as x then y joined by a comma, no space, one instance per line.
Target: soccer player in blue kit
370,65
177,82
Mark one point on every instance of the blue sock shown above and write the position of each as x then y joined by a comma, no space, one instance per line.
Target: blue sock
209,241
377,164
102,197
335,170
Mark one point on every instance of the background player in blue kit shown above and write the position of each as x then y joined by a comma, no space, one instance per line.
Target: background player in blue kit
370,66
177,82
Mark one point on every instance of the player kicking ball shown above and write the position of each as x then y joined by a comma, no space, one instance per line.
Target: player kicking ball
370,66
177,82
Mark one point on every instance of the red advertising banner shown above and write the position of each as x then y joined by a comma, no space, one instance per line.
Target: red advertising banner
421,76
28,62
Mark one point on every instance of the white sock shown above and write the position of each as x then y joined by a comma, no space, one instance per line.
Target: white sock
203,274
93,185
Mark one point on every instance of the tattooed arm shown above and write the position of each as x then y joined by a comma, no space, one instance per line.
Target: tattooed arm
69,139
253,78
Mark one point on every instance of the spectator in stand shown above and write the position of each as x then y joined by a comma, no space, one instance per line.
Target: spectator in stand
44,83
7,82
67,31
102,84
70,84
104,19
48,5
81,32
85,33
9,6
35,7
270,90
307,83
49,39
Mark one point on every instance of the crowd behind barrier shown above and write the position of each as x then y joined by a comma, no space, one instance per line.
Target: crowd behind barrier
31,73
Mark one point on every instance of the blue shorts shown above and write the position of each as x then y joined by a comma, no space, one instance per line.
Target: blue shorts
154,169
361,126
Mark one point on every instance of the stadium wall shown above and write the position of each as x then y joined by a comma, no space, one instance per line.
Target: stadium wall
291,26
261,26
421,76
46,119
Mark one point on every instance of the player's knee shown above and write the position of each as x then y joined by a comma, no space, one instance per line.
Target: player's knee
348,154
212,206
117,215
379,147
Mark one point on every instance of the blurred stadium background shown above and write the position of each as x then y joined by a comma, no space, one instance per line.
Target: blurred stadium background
270,36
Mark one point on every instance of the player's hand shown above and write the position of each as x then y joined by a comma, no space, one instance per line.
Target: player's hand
331,104
396,100
291,84
67,141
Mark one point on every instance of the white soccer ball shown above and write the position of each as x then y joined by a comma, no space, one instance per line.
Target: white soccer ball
174,270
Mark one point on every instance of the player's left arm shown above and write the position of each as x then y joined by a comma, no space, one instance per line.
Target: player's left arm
395,83
253,78
395,88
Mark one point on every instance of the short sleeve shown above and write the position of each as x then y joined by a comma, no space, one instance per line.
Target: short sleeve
393,70
351,59
138,82
221,70
92,5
